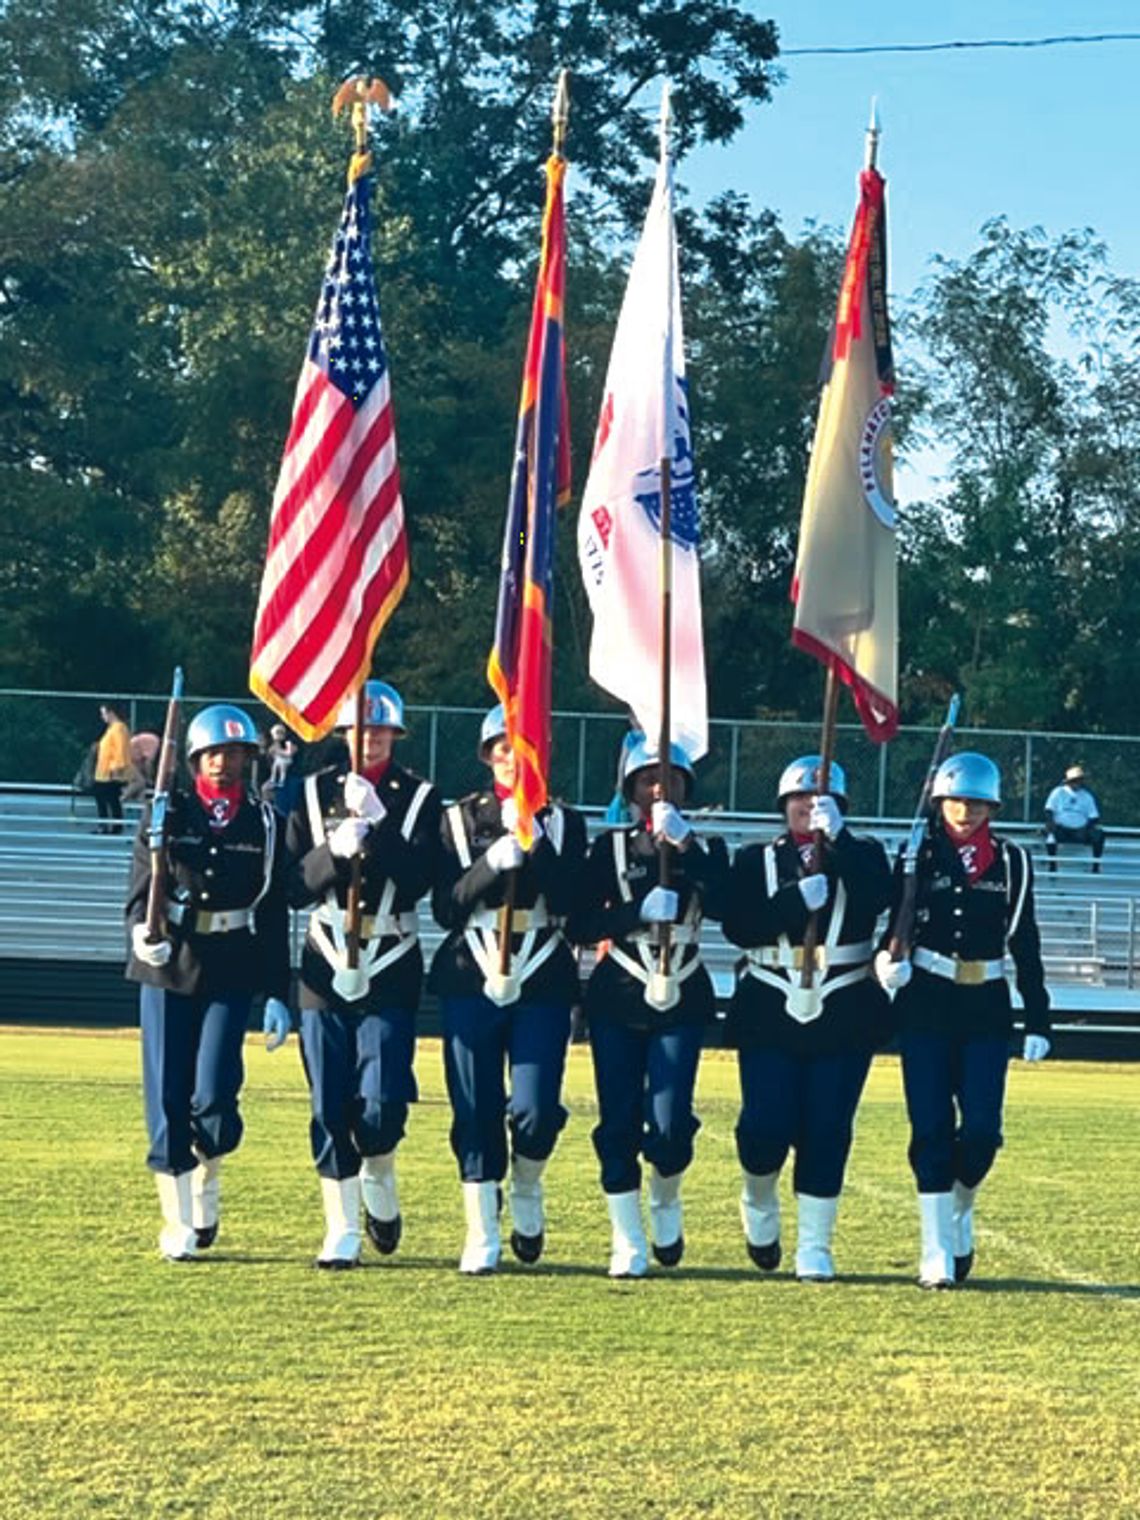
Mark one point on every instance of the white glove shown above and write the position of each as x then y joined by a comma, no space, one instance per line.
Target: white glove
346,839
360,798
156,954
1036,1048
813,890
1050,838
659,906
276,1023
826,817
669,825
891,975
506,854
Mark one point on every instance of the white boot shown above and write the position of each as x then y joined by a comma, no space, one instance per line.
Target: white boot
482,1247
963,1229
527,1214
666,1225
629,1254
813,1239
936,1269
760,1216
205,1194
341,1248
381,1201
176,1239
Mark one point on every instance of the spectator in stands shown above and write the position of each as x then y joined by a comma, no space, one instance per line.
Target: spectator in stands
804,1052
225,940
1073,817
112,769
648,1000
974,905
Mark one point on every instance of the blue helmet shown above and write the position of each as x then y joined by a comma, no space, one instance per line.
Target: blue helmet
802,776
969,777
217,725
493,727
383,708
638,753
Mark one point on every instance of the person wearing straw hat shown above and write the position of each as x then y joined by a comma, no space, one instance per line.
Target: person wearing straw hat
1072,816
953,1007
358,1021
505,1009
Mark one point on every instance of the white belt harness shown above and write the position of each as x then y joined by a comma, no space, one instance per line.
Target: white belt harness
327,923
662,983
953,969
483,930
772,964
225,920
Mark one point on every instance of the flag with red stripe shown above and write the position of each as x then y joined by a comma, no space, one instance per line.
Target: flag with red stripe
337,560
845,586
519,666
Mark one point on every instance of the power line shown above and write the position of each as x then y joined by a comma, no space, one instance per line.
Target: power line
962,46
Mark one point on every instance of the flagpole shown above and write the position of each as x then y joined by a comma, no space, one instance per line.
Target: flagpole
665,541
359,93
823,784
559,116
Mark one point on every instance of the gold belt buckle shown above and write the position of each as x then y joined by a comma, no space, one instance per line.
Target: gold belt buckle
520,921
819,958
970,973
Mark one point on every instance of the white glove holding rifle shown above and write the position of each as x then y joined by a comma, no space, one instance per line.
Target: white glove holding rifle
891,975
154,953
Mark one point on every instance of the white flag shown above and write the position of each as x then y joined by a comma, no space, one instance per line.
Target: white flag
644,419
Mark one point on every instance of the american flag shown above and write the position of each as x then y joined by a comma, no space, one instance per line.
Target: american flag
337,561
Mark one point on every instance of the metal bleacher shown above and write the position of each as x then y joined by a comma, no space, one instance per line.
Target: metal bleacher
62,887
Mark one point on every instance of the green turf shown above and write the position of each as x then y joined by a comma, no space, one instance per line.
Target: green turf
251,1385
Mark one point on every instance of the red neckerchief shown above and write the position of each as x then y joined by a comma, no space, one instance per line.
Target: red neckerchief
221,802
805,843
503,792
376,773
976,853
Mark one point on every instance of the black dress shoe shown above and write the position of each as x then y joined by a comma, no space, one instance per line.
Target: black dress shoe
383,1233
941,1286
767,1258
337,1264
669,1256
962,1266
206,1236
528,1248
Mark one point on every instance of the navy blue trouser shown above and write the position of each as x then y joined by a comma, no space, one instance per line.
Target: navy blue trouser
480,1039
806,1103
645,1082
955,1087
359,1070
192,1075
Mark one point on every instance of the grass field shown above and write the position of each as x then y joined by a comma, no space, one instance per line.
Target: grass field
252,1385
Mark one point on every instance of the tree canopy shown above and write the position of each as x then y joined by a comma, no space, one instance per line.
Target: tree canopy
169,180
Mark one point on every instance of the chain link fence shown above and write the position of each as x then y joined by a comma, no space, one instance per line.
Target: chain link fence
44,736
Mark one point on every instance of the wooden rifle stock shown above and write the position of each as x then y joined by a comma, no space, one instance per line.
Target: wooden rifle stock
156,834
902,929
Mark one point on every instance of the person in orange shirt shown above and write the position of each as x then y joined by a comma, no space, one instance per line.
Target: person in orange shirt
112,769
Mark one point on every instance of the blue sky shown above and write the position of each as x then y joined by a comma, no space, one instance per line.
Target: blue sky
1044,136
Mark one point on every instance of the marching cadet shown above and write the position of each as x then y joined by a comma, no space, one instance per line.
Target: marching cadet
227,927
517,1015
974,903
358,1023
804,1052
648,1000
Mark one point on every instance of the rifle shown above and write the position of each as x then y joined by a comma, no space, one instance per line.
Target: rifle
156,834
899,944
